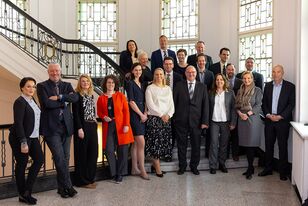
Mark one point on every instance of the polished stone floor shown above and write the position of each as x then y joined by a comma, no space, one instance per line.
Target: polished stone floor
206,189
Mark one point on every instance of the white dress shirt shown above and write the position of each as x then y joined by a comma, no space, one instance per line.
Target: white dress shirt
219,112
37,115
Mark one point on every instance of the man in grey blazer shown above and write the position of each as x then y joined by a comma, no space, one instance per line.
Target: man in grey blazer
56,125
190,117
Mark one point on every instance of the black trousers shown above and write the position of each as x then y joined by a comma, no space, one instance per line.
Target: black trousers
280,131
182,140
234,142
36,154
86,153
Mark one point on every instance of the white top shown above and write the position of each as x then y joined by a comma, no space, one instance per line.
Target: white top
219,113
159,100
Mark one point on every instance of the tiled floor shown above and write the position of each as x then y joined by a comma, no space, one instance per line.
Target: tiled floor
188,189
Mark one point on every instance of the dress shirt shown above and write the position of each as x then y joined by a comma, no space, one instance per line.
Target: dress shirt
37,116
171,79
276,94
219,112
231,82
163,53
193,84
201,75
222,66
159,100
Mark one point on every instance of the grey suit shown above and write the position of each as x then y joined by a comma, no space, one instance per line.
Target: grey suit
249,131
220,131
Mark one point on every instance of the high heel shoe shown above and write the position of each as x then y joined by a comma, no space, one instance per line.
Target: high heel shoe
160,175
153,170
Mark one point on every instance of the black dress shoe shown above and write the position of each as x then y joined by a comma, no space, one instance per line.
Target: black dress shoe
153,170
27,199
63,193
249,170
71,192
265,173
180,171
223,168
248,176
195,171
283,178
212,171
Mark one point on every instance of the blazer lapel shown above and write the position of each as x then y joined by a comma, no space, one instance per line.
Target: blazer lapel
282,92
271,96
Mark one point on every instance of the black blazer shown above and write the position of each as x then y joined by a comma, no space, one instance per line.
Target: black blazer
286,102
157,60
236,85
229,104
215,68
126,61
51,109
192,60
23,124
78,113
190,113
176,79
208,78
257,77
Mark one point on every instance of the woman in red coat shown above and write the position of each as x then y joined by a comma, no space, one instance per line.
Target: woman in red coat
112,108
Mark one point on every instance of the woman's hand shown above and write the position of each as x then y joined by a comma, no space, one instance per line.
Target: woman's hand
243,116
144,117
80,133
165,118
232,127
24,148
125,129
107,119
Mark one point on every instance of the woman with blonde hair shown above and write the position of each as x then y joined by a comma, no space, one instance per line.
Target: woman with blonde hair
248,107
158,136
85,134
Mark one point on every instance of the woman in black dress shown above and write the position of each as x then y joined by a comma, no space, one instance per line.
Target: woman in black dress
129,56
85,135
182,64
24,140
138,116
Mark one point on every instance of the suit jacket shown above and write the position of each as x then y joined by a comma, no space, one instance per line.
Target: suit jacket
192,60
157,60
176,79
286,101
257,77
215,68
126,61
236,85
208,78
122,118
51,109
23,124
229,104
190,113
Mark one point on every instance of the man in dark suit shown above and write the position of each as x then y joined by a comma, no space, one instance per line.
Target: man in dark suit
203,75
158,56
191,116
200,48
172,78
257,77
234,84
277,105
220,67
57,124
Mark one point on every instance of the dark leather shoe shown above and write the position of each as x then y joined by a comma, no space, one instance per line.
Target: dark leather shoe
283,178
195,171
265,173
212,171
248,176
223,168
153,170
71,192
63,192
27,199
235,158
160,175
180,171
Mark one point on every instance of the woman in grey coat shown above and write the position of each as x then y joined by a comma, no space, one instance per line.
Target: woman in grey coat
248,107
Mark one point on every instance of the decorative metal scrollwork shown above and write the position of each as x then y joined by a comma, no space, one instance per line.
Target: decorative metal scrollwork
49,48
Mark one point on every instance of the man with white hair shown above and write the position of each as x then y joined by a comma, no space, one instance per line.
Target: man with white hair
56,125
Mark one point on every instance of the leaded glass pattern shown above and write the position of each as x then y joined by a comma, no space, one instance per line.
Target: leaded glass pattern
260,48
97,20
255,14
190,48
179,19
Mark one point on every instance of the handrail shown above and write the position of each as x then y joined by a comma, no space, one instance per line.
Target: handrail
76,45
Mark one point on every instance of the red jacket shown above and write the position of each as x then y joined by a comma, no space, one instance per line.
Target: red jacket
121,115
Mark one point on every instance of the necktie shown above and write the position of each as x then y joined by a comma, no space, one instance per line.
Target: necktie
57,90
191,90
168,79
231,84
165,53
224,69
202,77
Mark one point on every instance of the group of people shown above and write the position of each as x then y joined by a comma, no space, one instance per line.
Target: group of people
166,106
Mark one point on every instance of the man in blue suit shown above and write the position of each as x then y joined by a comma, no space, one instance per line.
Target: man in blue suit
56,125
159,55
